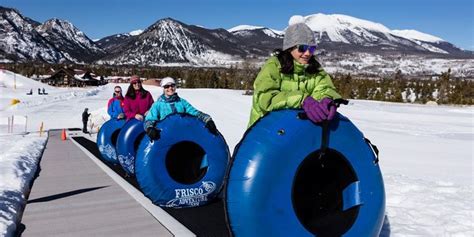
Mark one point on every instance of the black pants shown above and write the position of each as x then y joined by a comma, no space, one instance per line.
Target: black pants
84,128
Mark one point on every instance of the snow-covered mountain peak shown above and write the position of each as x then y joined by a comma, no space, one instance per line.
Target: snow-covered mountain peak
273,33
135,32
164,28
320,21
168,26
10,13
131,33
165,21
71,41
337,27
60,26
11,17
56,21
20,41
244,27
171,41
416,35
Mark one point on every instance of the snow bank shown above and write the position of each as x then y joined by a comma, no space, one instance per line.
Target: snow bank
18,164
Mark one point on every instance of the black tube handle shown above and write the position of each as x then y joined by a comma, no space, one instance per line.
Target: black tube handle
374,149
340,101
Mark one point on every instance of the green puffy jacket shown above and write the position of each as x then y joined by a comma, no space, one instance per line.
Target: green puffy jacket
274,90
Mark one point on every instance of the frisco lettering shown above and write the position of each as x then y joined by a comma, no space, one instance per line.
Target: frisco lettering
188,192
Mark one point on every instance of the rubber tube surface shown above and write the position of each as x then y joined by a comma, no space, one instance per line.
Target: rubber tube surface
260,196
185,167
107,137
127,144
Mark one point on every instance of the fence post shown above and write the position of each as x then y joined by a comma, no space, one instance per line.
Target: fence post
13,123
26,123
8,127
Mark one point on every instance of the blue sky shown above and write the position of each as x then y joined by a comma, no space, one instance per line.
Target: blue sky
451,20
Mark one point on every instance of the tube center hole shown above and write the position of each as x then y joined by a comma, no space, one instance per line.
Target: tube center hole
317,194
186,162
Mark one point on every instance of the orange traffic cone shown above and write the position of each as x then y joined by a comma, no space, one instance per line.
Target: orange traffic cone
63,135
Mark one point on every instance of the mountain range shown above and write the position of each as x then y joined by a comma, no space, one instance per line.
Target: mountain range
340,38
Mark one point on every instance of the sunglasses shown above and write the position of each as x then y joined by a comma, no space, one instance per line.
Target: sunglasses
118,91
137,82
168,86
302,48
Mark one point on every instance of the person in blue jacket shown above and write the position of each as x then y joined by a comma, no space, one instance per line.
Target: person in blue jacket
170,103
115,104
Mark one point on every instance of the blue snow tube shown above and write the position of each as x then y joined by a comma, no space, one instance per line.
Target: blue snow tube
128,140
185,167
107,139
280,186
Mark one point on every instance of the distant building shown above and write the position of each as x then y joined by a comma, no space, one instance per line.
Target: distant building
126,79
145,81
67,77
118,79
152,81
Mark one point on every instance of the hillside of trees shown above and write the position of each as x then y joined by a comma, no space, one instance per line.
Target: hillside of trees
442,89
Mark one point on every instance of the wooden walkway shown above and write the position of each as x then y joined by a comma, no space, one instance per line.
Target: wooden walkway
73,196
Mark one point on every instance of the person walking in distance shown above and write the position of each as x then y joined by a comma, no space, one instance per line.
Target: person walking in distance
85,118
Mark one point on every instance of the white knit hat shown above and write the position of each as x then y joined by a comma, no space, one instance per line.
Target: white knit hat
298,33
167,81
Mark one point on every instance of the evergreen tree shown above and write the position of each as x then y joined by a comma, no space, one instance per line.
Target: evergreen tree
444,87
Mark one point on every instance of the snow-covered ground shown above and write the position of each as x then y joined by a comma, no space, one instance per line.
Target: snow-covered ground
426,152
18,162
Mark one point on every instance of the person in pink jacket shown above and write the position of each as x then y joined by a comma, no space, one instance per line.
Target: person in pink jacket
137,101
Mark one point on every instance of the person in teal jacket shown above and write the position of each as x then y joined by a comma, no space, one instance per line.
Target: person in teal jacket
293,78
170,103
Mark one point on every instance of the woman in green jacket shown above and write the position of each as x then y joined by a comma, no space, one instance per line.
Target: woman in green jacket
294,79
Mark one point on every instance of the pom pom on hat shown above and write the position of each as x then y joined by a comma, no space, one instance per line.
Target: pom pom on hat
167,81
296,19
